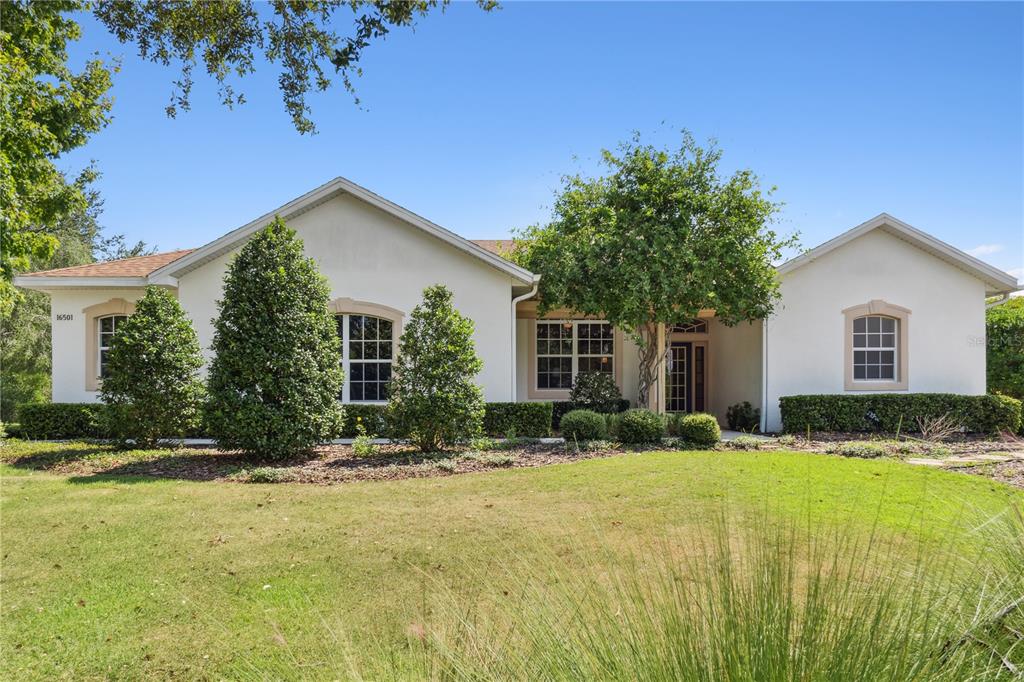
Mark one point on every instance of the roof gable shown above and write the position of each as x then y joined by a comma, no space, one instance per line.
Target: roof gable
996,281
321,194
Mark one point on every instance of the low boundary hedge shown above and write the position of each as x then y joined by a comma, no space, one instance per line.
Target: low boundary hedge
889,412
59,421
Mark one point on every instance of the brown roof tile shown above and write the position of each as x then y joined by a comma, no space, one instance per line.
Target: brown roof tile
139,266
499,247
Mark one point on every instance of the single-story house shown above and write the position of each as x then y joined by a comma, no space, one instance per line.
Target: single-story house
882,307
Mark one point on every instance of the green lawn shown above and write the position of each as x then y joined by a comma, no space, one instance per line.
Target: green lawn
128,578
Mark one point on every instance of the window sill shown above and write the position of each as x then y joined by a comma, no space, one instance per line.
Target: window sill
876,386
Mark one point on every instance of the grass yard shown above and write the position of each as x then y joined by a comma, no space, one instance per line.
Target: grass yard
136,577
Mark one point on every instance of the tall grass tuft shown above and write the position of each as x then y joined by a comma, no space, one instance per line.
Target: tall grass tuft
768,604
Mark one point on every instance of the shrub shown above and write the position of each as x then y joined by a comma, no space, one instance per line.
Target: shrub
275,376
639,426
1004,331
435,400
859,449
892,412
373,418
527,420
699,429
787,439
363,445
560,407
583,425
743,417
58,421
266,475
153,390
595,391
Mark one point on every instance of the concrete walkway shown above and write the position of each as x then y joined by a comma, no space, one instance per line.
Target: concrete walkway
969,460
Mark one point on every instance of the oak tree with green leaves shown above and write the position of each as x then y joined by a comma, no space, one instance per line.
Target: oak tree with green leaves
435,399
276,373
660,237
1004,327
152,389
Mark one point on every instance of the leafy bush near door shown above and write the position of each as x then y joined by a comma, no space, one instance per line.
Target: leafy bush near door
892,412
639,426
595,391
153,389
435,400
275,375
700,429
583,425
560,407
743,417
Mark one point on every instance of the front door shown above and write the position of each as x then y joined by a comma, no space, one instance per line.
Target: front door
685,374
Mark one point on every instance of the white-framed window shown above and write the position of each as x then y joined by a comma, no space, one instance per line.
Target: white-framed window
565,347
875,348
105,328
368,350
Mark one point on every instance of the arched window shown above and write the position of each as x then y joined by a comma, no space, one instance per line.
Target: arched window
876,356
105,328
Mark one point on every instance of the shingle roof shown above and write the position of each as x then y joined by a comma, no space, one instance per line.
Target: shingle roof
499,247
139,266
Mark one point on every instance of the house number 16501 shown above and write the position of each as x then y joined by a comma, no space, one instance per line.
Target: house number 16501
65,317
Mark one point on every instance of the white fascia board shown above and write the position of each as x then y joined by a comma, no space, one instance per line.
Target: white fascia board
41,283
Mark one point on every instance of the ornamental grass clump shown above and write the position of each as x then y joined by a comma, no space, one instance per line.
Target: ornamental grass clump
152,388
435,400
275,377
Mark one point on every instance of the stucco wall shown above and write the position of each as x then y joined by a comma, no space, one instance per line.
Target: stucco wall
735,363
69,339
805,341
368,255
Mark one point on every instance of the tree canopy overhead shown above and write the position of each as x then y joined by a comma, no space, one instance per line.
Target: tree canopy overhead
660,237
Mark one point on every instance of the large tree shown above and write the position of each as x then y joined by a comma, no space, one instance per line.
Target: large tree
1004,326
660,237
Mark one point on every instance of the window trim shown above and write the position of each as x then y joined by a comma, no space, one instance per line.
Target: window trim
532,391
878,307
348,306
91,316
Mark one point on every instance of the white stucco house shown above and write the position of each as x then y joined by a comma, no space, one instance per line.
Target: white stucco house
882,307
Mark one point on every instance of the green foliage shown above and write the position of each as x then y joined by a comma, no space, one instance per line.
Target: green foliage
153,389
363,445
229,36
46,111
1004,330
639,426
887,412
859,448
583,425
745,443
525,420
560,407
58,421
595,391
435,400
660,238
743,417
266,475
374,419
276,375
698,428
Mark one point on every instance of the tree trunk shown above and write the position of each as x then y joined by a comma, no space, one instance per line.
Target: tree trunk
648,362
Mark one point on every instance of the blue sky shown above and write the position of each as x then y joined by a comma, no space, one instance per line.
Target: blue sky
850,109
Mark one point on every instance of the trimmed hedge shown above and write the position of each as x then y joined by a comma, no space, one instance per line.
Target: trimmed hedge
580,425
560,407
58,421
639,426
887,412
526,420
698,428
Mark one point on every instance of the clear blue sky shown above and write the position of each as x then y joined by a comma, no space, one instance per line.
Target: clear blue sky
849,109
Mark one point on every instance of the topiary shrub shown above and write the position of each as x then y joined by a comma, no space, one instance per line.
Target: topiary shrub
640,426
435,400
743,417
275,377
522,420
1004,331
595,391
699,429
152,389
583,425
58,421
